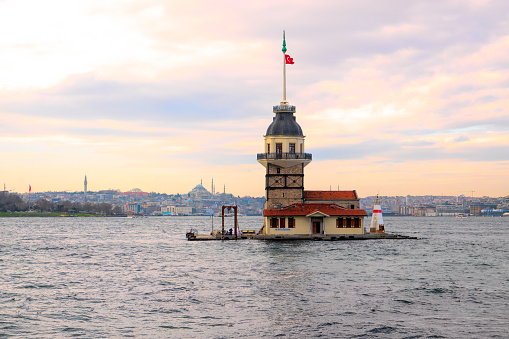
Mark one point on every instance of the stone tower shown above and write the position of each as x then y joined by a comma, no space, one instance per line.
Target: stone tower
284,159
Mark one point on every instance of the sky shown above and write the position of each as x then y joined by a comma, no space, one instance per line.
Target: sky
394,97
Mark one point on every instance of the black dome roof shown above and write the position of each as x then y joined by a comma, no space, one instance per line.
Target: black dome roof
284,124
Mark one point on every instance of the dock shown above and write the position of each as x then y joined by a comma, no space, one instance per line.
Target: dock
314,237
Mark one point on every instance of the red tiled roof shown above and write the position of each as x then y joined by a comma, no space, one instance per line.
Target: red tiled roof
305,209
330,195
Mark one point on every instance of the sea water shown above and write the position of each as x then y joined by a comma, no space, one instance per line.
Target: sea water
119,277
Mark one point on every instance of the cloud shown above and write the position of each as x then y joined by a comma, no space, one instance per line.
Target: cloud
419,143
160,85
461,138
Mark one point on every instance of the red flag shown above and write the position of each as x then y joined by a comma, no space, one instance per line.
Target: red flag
288,59
29,188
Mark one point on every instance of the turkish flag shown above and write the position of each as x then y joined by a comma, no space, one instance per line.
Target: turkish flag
29,188
288,59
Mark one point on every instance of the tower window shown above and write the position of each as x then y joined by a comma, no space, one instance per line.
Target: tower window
268,148
278,170
292,148
300,148
279,148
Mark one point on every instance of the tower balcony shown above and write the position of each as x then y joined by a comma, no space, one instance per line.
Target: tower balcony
284,156
284,159
283,108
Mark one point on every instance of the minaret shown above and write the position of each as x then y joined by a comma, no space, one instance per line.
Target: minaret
284,157
85,188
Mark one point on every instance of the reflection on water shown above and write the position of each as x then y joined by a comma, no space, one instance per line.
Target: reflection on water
114,277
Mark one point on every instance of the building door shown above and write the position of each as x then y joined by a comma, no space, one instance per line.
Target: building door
317,227
279,150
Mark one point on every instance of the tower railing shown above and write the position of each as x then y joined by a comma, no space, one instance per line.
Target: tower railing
272,156
283,108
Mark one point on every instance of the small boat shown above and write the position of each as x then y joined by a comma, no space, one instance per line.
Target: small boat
460,216
377,221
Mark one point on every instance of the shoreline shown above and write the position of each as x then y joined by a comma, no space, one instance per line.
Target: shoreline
47,215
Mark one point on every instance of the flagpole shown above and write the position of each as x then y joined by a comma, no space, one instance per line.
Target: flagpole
284,68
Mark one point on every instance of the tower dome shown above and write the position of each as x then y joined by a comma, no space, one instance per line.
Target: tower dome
284,123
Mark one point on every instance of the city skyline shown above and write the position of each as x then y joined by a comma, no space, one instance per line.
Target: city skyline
393,98
84,191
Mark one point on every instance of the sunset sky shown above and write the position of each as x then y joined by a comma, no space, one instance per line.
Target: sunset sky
394,97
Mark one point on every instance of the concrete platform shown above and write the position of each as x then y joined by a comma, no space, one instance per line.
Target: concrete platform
316,237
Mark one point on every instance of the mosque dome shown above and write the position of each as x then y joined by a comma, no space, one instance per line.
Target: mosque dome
198,187
199,192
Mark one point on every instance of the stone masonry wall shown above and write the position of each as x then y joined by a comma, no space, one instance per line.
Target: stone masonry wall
281,197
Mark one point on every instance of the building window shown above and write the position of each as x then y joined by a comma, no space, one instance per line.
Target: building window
268,148
291,223
348,222
357,222
278,170
282,222
279,148
300,148
274,222
292,148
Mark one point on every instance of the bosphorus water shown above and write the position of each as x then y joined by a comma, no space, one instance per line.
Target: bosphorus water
119,277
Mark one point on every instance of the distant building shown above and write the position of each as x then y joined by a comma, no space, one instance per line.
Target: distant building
425,211
177,210
447,210
133,208
406,210
476,209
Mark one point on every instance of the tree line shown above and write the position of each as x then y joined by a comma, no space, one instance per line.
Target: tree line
14,203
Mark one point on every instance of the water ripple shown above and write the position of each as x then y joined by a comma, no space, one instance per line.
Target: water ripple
109,277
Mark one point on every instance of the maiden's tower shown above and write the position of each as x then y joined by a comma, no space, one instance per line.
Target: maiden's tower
291,212
289,208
